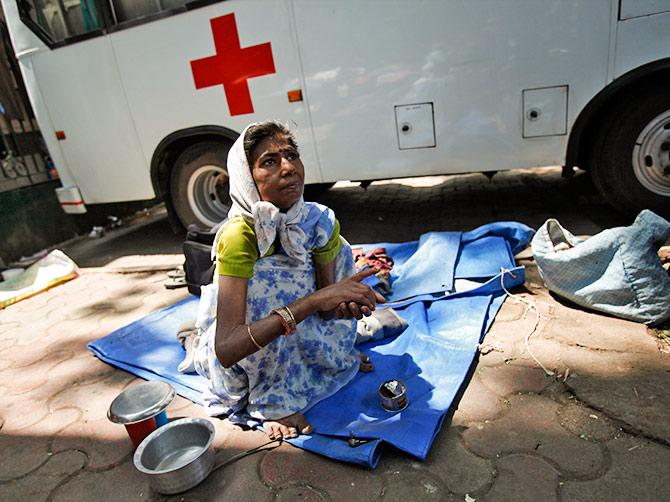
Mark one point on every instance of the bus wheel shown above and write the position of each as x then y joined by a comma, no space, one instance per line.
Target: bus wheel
199,184
630,158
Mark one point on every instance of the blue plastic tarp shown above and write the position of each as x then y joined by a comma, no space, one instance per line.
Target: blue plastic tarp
432,356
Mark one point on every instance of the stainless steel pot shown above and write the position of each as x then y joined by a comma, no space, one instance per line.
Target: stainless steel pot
178,455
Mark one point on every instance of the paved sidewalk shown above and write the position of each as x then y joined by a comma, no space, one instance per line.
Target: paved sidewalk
597,428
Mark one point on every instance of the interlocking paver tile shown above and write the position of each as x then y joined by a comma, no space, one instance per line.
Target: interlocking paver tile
540,349
65,330
122,483
106,444
39,484
306,493
286,465
163,298
6,344
632,388
639,471
509,340
25,450
477,404
239,480
509,379
6,328
413,485
5,363
232,483
577,327
462,471
523,478
33,330
94,400
11,315
33,303
532,426
43,311
586,422
81,370
235,440
510,311
25,410
30,377
23,356
21,455
181,406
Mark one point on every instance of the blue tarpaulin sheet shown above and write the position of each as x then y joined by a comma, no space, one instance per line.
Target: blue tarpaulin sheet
432,356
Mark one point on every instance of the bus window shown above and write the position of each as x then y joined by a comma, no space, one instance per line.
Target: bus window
128,10
59,20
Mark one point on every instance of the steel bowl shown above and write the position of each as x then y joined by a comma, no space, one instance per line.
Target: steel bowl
178,455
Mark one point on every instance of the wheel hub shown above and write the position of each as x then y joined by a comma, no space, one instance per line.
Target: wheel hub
651,155
207,193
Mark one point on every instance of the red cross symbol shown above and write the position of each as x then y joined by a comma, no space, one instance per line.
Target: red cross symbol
232,66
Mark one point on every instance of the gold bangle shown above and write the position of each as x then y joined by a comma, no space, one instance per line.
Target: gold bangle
287,320
253,340
293,323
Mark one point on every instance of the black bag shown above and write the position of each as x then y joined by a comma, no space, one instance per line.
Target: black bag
198,266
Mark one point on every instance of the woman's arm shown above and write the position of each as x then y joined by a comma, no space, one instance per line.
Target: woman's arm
325,276
232,341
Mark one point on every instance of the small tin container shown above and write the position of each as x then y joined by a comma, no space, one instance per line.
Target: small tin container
393,394
141,408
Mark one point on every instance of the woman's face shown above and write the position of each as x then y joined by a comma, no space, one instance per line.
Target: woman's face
278,171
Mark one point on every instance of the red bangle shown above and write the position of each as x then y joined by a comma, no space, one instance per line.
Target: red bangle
287,320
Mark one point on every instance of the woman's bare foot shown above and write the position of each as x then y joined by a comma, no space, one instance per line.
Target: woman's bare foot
287,427
366,364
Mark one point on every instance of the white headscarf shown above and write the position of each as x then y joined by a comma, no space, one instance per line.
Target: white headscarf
268,220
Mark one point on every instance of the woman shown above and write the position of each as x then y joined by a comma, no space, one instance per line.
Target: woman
276,348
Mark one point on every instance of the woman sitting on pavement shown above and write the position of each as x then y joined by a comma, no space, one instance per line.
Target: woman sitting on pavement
283,271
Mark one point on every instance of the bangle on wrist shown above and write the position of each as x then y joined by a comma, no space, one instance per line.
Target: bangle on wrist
253,340
287,320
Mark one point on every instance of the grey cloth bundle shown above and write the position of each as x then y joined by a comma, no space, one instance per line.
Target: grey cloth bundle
617,271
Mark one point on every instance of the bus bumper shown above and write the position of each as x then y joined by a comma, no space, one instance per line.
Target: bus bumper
70,200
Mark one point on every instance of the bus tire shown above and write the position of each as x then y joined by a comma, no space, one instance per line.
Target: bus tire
199,184
630,157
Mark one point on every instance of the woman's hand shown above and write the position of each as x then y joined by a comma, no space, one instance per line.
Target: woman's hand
348,297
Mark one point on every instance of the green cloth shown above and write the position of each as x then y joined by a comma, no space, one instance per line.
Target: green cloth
237,250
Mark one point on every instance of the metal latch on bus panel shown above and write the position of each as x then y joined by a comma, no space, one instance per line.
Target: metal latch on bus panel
415,126
545,111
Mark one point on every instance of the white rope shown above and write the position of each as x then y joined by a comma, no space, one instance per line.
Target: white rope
530,305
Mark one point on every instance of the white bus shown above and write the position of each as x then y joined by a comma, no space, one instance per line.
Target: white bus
138,99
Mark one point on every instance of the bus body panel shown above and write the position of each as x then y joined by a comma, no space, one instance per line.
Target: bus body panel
638,8
117,96
642,40
86,100
470,59
155,68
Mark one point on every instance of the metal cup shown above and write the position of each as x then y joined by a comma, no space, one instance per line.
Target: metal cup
141,408
393,394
